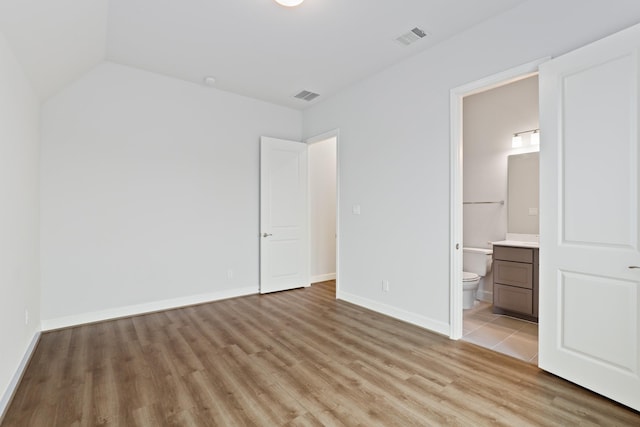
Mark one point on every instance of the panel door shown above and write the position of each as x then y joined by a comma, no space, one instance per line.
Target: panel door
589,288
284,231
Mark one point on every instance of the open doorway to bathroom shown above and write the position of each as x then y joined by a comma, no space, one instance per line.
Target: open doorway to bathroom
491,118
323,210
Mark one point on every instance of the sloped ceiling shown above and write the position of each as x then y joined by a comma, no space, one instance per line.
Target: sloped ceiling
252,47
56,41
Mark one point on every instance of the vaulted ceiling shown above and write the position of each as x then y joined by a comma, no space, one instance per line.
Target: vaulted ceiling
252,47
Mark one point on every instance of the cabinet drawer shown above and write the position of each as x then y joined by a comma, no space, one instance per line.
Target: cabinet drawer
508,253
513,299
513,273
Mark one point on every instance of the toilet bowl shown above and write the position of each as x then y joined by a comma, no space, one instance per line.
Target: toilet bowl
476,263
470,282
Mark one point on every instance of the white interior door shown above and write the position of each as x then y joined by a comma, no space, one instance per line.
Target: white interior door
284,230
589,288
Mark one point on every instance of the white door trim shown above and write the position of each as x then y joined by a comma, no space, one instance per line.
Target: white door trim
455,181
318,138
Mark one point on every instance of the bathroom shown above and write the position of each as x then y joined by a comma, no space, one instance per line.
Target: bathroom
500,202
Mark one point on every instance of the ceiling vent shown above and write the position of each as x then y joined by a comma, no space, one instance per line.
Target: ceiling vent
411,37
306,95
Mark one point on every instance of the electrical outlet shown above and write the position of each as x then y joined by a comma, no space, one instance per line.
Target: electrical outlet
229,274
26,316
385,286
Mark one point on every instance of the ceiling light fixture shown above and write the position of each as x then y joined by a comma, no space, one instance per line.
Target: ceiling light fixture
289,3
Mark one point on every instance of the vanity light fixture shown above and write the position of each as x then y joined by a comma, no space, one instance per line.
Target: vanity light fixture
516,141
534,139
289,3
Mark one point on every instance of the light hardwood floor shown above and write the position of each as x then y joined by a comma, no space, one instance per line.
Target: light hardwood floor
297,358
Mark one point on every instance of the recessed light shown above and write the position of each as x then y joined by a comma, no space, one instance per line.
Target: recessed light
210,81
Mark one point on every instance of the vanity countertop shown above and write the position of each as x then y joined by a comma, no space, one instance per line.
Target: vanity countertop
516,243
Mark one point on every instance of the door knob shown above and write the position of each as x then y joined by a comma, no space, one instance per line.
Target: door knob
266,234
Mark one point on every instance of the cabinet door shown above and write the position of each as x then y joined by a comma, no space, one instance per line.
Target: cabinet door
508,253
513,273
512,298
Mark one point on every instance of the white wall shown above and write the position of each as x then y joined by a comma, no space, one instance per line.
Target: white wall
149,194
490,119
394,150
19,274
322,186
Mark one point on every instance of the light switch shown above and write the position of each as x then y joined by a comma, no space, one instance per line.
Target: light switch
356,209
533,211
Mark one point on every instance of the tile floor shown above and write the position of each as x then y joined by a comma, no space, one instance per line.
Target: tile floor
508,335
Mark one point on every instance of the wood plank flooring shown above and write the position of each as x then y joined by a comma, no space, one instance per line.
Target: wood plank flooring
297,358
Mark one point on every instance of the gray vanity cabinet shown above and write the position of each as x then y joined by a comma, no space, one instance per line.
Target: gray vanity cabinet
515,281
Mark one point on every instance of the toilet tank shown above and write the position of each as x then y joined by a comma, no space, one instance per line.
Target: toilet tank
476,260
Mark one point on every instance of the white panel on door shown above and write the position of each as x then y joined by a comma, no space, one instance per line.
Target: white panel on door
284,188
587,100
608,333
280,259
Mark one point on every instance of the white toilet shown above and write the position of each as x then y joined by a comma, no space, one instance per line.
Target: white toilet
476,262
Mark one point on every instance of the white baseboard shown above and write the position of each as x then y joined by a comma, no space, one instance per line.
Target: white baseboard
323,277
406,316
13,385
134,310
485,296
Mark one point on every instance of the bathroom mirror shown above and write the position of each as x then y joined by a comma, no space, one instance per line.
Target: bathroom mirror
523,193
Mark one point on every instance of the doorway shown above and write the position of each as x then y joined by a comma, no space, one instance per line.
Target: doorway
500,201
323,207
488,209
298,212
